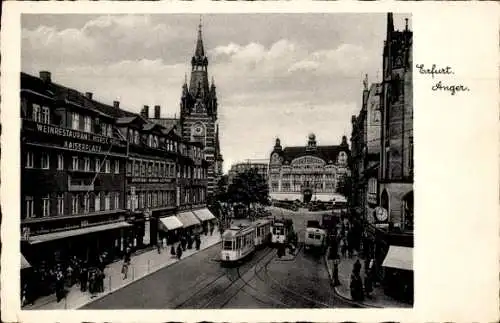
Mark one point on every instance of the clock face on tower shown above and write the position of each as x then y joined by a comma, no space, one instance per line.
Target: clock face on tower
198,130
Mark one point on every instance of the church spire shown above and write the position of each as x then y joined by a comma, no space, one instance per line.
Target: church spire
200,51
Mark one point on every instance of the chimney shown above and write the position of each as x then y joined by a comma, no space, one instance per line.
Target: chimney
116,104
157,112
145,112
88,95
45,76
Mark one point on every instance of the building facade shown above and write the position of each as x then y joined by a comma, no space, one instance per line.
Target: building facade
308,173
382,152
262,167
396,161
199,109
72,174
97,178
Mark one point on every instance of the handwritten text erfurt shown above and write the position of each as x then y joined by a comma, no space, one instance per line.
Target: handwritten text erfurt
440,72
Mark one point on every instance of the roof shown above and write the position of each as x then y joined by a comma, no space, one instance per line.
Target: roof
327,153
168,123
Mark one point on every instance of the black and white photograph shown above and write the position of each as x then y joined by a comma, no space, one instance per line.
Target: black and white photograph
234,167
249,162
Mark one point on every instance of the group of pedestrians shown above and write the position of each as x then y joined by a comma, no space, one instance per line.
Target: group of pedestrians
347,240
45,280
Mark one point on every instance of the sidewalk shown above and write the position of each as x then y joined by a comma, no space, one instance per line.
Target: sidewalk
141,265
378,300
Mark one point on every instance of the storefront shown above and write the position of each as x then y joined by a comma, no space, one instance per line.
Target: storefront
398,273
86,243
170,229
190,224
206,218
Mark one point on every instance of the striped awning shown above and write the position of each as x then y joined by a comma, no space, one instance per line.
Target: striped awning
204,214
188,219
171,223
24,263
71,233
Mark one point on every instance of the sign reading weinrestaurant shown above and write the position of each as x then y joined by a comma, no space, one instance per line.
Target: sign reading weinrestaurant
72,139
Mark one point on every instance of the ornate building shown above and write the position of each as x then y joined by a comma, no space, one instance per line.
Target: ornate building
198,117
308,173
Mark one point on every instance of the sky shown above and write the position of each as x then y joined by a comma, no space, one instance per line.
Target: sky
277,75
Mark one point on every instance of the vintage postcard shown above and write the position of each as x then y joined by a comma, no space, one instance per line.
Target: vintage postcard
324,162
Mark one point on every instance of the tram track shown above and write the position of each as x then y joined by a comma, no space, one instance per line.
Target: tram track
224,279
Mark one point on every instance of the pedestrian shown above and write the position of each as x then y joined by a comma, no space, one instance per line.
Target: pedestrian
343,247
211,229
59,285
198,242
179,251
172,250
368,284
125,269
83,278
128,254
158,246
356,287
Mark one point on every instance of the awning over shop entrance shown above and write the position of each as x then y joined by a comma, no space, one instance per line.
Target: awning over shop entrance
204,215
171,223
399,257
188,219
24,263
71,233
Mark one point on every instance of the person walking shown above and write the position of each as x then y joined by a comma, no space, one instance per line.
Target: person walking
179,251
172,250
158,246
59,285
84,275
125,268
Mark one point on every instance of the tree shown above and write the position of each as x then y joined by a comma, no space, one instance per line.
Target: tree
248,188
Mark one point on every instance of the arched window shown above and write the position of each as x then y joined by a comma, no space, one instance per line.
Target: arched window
384,200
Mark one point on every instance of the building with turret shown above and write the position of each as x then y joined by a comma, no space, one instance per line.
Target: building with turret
308,173
198,115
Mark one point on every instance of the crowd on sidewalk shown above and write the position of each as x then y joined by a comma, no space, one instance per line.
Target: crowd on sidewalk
89,276
345,243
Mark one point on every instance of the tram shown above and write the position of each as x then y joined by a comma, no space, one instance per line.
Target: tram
238,242
279,232
262,232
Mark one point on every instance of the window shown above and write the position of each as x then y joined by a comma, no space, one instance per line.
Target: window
45,115
87,125
155,142
30,159
129,168
150,169
60,204
110,131
75,163
155,170
75,201
36,113
46,206
97,202
97,165
117,201
136,168
141,200
107,202
117,166
86,203
29,206
104,130
143,169
149,199
129,202
45,162
87,164
107,166
60,162
75,121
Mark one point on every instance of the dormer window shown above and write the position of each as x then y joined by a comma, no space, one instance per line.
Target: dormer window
45,115
155,141
136,137
87,124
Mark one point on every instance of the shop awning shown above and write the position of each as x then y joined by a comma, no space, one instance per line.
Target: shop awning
171,223
204,215
188,219
24,263
71,233
399,257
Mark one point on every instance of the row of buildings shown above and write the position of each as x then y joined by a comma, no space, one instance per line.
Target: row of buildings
96,177
260,165
382,162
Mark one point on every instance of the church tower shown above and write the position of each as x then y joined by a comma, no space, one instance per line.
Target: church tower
199,112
